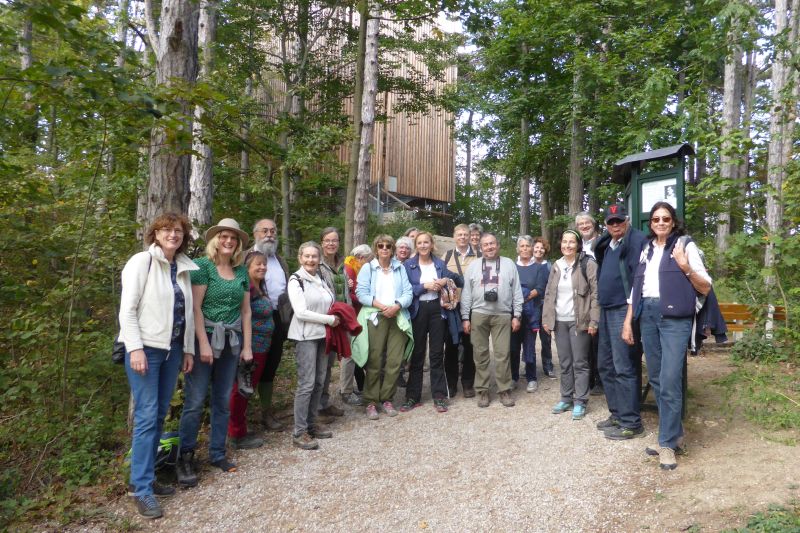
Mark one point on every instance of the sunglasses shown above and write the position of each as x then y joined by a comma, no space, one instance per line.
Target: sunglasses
383,246
665,220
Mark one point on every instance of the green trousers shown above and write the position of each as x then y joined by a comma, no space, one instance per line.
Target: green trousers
385,337
499,328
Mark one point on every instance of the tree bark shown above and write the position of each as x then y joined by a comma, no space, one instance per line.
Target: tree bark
358,92
31,130
367,130
468,168
244,161
175,50
201,184
524,184
576,143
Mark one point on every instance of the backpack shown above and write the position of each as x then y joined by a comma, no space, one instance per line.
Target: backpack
285,311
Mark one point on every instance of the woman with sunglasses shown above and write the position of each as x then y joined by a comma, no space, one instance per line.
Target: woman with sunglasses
664,294
571,310
385,293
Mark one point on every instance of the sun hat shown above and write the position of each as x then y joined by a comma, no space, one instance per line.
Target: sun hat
228,224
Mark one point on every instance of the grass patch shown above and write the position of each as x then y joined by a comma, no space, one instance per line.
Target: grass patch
766,393
776,519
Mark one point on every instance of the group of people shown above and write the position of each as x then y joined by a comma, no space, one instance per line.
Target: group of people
223,319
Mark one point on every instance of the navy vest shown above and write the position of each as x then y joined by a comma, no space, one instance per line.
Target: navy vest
676,293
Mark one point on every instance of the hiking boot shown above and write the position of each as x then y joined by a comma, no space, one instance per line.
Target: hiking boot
318,431
506,399
440,404
389,409
409,405
225,465
305,441
469,392
620,433
653,451
248,442
532,386
332,410
158,489
483,398
271,423
560,407
148,506
372,412
578,412
607,424
352,399
666,458
244,378
184,469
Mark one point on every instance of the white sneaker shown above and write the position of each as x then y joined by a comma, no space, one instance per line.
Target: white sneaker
532,386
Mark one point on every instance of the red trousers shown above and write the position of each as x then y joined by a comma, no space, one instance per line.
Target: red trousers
237,423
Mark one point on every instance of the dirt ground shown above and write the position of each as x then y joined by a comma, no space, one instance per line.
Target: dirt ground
494,469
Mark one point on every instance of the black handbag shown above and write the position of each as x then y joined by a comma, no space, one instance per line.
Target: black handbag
118,350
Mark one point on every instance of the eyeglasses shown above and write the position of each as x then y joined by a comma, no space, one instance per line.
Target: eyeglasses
614,222
383,246
329,241
176,231
266,231
665,220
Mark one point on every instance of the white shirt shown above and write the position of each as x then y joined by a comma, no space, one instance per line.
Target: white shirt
650,288
565,307
427,273
275,280
384,287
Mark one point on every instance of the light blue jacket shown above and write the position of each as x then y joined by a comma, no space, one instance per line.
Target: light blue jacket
368,278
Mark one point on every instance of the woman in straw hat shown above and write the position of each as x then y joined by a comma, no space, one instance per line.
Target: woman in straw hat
220,290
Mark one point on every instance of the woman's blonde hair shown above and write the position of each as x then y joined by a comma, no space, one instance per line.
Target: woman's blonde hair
212,250
430,236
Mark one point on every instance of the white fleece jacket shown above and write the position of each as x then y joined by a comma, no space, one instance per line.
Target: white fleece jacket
145,318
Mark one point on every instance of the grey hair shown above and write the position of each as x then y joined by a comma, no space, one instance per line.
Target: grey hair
476,227
308,244
585,214
525,238
255,226
362,250
404,240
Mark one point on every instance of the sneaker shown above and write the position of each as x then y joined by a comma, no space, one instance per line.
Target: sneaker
506,399
332,410
225,465
409,405
666,458
158,490
389,409
578,412
440,404
469,392
483,398
352,399
372,412
244,377
560,407
318,431
184,468
652,451
148,506
620,433
248,442
550,374
532,386
597,390
305,441
608,423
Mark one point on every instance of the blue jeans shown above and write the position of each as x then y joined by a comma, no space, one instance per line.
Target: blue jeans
616,362
221,375
665,341
152,393
526,340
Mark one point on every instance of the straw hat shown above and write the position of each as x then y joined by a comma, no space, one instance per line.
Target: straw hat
230,225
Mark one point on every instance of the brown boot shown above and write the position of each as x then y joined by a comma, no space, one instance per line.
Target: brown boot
269,421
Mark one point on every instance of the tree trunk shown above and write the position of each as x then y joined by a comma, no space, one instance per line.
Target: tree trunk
729,155
244,164
468,168
367,131
748,91
31,130
524,185
175,49
358,92
201,183
576,144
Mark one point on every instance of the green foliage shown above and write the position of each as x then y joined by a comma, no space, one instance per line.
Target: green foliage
776,519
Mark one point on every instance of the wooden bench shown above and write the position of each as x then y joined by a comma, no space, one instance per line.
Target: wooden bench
739,318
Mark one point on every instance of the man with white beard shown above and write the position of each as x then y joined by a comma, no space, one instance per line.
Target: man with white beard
265,234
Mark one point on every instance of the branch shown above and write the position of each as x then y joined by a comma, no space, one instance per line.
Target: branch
429,15
151,27
145,39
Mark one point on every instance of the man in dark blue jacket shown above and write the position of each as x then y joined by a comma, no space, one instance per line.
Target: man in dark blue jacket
617,253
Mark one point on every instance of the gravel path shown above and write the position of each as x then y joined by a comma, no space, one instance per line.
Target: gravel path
470,469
